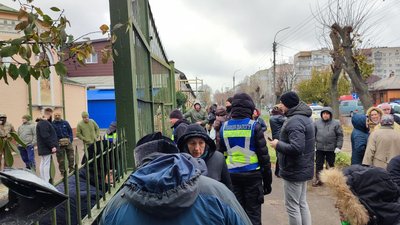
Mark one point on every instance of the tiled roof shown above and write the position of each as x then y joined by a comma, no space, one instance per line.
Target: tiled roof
389,83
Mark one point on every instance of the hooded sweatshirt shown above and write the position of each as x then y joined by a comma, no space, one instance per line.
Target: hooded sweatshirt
170,190
328,133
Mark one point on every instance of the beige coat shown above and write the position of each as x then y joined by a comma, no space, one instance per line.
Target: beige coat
383,145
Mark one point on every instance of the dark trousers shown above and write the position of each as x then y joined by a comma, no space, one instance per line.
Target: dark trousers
321,157
28,156
277,166
248,190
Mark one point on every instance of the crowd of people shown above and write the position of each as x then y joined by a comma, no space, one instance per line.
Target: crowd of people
215,168
50,135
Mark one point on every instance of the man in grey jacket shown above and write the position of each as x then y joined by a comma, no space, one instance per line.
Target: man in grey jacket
27,133
328,141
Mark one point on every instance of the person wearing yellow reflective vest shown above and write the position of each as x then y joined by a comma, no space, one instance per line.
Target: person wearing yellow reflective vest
111,133
178,124
248,161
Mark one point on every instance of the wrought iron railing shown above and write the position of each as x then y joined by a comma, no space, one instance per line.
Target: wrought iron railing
103,170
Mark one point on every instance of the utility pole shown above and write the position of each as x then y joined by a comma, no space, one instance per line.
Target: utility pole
234,85
274,72
274,44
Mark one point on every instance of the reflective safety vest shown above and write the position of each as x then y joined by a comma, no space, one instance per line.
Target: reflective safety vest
238,136
111,137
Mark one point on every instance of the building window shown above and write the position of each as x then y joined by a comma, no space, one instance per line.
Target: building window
91,59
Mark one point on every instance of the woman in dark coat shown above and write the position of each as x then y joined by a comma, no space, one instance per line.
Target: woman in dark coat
359,138
197,143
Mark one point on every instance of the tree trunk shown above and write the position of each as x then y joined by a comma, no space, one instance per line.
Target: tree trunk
350,64
337,68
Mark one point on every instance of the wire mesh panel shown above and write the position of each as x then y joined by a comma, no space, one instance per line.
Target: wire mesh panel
161,83
139,15
145,118
158,117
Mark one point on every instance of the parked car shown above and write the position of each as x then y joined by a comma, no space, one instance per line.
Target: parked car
350,107
316,111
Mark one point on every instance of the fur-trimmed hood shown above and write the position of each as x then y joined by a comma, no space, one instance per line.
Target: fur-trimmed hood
365,191
347,202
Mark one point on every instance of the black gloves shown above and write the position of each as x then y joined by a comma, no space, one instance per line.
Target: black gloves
267,180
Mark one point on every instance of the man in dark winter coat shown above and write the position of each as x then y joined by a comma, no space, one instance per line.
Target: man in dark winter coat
47,143
65,138
276,122
178,124
359,138
328,140
394,170
198,144
168,188
247,156
377,192
296,156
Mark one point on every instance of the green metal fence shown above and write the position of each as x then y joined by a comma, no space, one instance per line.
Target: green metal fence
144,77
103,169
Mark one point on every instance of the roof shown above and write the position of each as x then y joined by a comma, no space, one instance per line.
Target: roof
4,8
95,82
390,83
100,94
71,82
182,76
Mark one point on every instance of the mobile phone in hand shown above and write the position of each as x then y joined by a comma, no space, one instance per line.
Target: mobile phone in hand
269,139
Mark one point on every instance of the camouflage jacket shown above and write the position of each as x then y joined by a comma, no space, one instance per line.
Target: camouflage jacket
6,129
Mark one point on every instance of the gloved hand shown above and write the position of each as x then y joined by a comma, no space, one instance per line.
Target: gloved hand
267,180
337,150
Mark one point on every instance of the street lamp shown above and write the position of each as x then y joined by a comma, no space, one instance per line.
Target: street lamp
234,87
274,62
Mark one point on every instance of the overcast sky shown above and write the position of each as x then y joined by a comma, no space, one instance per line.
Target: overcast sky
211,39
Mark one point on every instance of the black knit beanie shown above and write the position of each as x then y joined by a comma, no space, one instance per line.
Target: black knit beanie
176,114
290,99
242,106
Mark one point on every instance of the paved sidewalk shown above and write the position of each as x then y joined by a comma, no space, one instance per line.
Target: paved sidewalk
320,202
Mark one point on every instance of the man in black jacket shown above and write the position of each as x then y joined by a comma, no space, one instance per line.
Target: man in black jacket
178,124
296,156
247,156
47,143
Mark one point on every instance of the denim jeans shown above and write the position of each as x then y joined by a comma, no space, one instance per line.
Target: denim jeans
28,156
296,202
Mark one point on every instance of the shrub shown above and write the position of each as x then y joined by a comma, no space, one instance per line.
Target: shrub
343,159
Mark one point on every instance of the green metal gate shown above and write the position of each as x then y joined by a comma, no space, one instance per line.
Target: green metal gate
144,78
